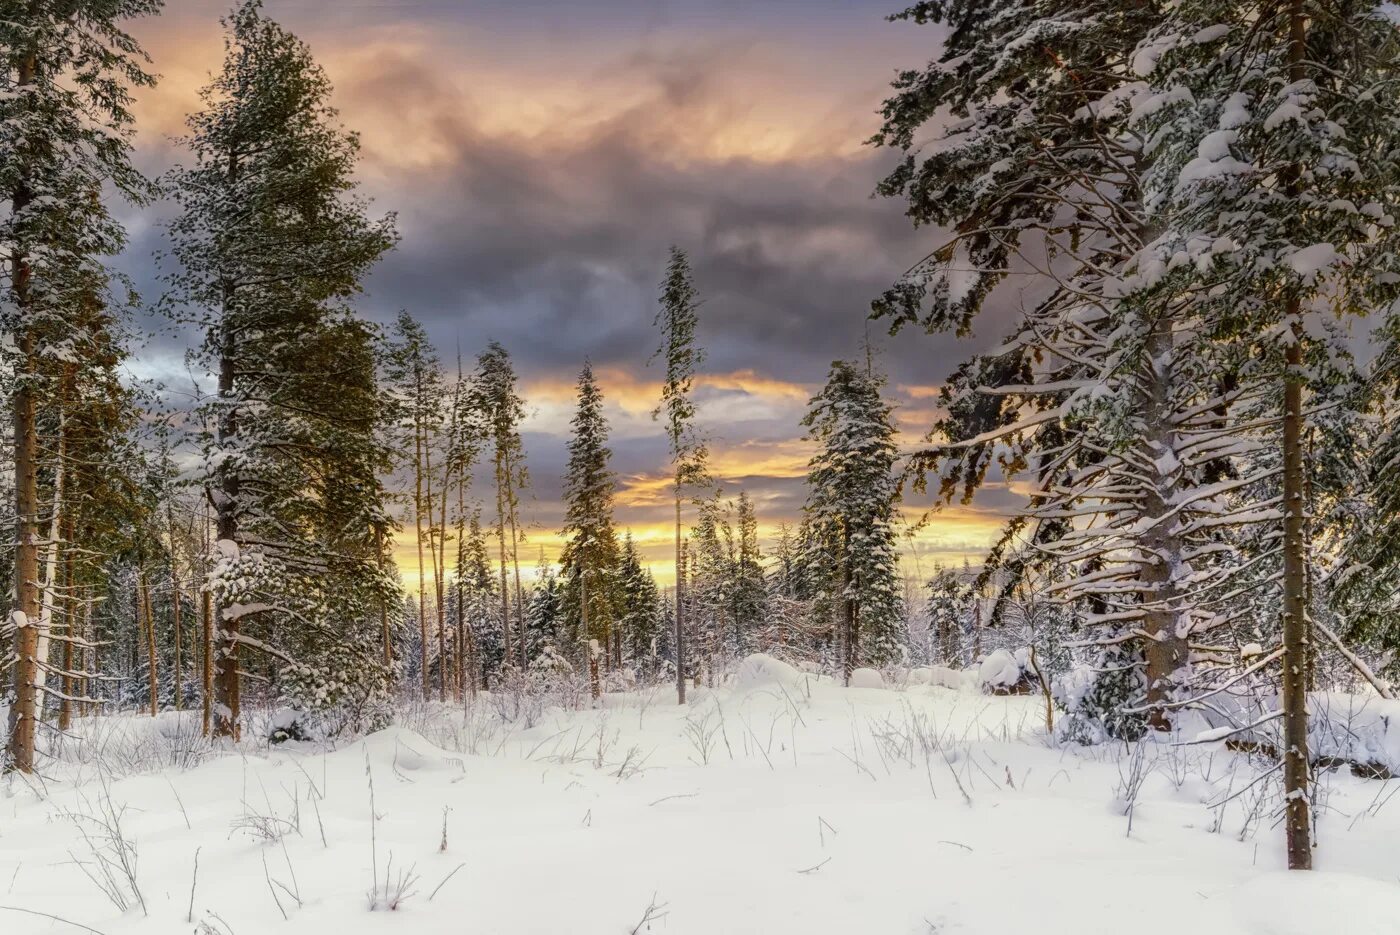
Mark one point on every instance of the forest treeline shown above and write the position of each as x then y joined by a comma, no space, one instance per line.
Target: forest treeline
1190,205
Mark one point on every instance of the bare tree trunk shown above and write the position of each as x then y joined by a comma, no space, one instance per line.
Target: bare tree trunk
70,634
420,444
589,646
206,641
143,596
1166,649
848,612
439,570
1297,819
89,706
512,507
226,678
680,605
501,537
178,674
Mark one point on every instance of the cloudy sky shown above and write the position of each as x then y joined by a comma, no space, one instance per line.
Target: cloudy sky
542,156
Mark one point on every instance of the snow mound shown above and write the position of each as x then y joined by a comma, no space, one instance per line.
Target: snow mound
1359,729
1006,673
407,751
867,678
762,671
1285,903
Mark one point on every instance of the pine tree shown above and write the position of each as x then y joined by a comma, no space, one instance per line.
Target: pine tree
498,404
677,321
850,511
1277,174
590,555
750,593
545,626
950,600
1120,396
475,588
272,242
640,619
415,374
65,123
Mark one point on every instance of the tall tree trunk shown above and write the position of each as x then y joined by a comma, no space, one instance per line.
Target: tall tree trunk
420,445
70,633
439,570
501,536
512,507
1297,819
227,686
680,605
145,609
206,622
24,712
848,611
1166,650
53,550
177,673
590,647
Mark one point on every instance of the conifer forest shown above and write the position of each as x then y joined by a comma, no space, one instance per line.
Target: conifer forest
632,466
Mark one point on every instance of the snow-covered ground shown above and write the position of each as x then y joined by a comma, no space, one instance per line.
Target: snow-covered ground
779,803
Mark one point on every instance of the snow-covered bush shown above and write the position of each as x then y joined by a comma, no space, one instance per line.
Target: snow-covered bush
1004,672
1094,698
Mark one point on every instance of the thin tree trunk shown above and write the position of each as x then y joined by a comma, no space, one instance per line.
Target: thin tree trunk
88,707
70,633
511,504
1165,649
206,640
439,569
226,678
24,712
501,537
143,596
178,673
848,611
420,444
589,646
680,605
1297,819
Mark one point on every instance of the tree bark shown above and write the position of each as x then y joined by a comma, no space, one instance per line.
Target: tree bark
1297,817
145,610
680,605
1166,647
24,712
227,687
501,537
420,445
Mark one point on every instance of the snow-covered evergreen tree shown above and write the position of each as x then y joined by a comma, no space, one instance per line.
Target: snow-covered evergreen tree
65,124
677,321
850,512
949,603
590,555
272,243
639,611
495,398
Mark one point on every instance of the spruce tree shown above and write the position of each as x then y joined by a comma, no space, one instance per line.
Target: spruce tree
65,124
415,375
677,321
272,243
850,512
496,401
1276,168
590,555
640,618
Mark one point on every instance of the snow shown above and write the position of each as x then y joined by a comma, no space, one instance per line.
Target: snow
776,802
1309,262
867,678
